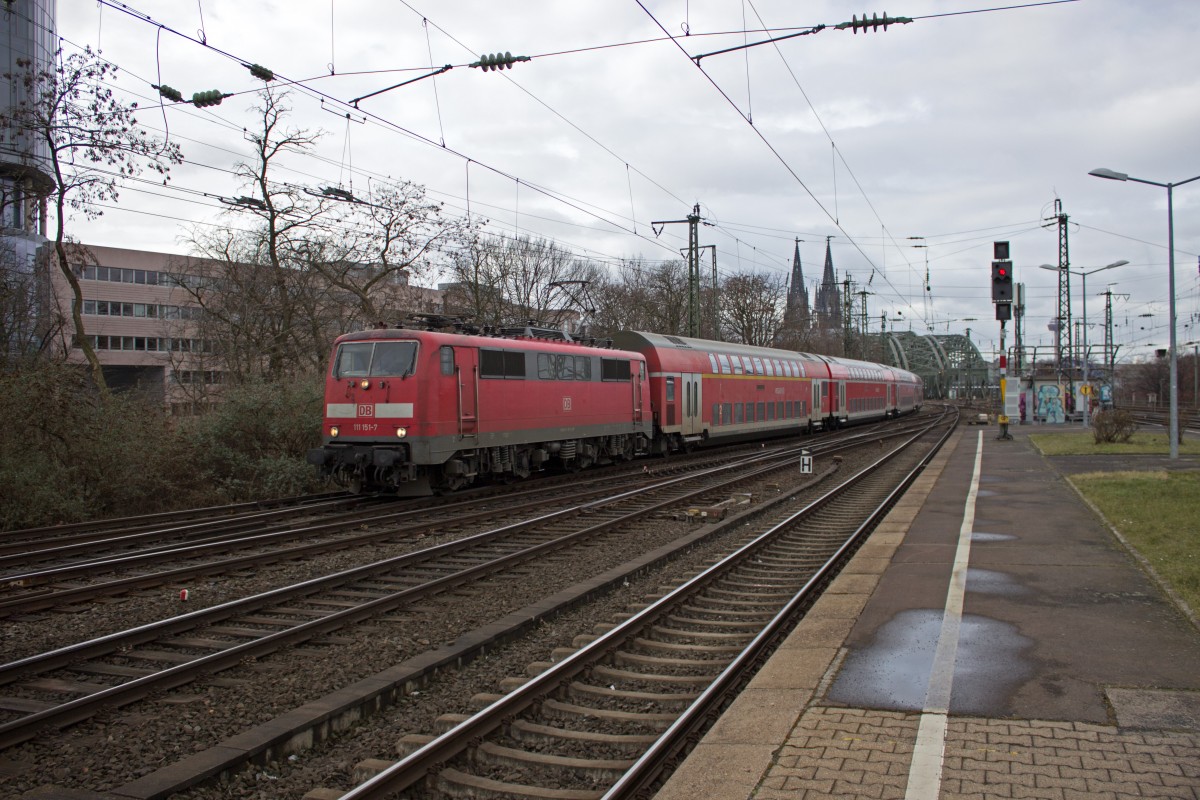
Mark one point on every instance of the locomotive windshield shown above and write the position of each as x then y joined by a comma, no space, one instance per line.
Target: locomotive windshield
375,359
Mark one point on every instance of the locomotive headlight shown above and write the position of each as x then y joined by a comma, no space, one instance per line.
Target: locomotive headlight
364,384
401,433
333,431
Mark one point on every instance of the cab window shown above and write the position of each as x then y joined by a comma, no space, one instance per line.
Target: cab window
375,359
353,360
393,359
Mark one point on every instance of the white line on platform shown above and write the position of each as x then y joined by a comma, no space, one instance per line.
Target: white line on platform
925,774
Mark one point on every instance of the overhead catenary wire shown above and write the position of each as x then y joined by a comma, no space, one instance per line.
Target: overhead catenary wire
767,257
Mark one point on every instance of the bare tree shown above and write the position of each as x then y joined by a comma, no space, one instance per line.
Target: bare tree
509,281
88,142
1148,382
313,262
752,308
396,232
645,296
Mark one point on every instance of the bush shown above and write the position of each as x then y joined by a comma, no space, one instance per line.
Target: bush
1113,426
68,455
252,444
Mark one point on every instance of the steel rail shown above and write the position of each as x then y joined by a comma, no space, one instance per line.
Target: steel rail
22,729
413,768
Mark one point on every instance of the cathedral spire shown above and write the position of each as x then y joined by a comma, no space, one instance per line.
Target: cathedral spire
796,313
828,306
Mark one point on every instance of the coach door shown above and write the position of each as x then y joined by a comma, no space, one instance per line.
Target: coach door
636,370
466,374
693,424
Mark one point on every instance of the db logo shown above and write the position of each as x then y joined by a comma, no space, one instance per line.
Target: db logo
366,410
566,404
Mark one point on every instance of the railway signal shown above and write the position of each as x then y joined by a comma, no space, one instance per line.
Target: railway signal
1002,282
1002,296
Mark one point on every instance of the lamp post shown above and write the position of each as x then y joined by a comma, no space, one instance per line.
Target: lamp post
1121,176
1084,275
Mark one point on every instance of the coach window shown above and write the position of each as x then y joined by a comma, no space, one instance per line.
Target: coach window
502,364
565,367
770,367
762,412
583,368
612,369
737,413
716,414
446,356
670,390
724,361
712,362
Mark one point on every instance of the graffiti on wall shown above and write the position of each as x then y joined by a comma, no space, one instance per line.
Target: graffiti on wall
1049,405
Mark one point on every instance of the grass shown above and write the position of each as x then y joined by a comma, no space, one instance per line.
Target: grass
1158,513
1084,444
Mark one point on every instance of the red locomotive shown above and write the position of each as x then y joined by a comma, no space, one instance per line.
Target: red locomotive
415,411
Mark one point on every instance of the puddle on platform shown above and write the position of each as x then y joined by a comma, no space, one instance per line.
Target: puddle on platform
980,536
987,581
892,672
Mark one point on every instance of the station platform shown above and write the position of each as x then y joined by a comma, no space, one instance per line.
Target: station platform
993,638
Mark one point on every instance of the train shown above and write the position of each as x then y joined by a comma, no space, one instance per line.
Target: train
430,408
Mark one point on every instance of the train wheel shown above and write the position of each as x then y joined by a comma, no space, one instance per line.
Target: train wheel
443,483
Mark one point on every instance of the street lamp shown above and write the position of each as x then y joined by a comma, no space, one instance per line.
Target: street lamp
1121,176
1084,275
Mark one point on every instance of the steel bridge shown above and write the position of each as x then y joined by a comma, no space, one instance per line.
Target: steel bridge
950,364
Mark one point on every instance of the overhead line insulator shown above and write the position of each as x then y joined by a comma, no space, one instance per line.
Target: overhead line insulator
260,72
174,95
212,97
498,61
873,23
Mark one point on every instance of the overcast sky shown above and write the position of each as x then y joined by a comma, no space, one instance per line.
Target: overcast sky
962,128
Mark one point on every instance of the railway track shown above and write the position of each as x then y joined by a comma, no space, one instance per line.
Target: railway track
609,718
208,547
57,689
72,683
